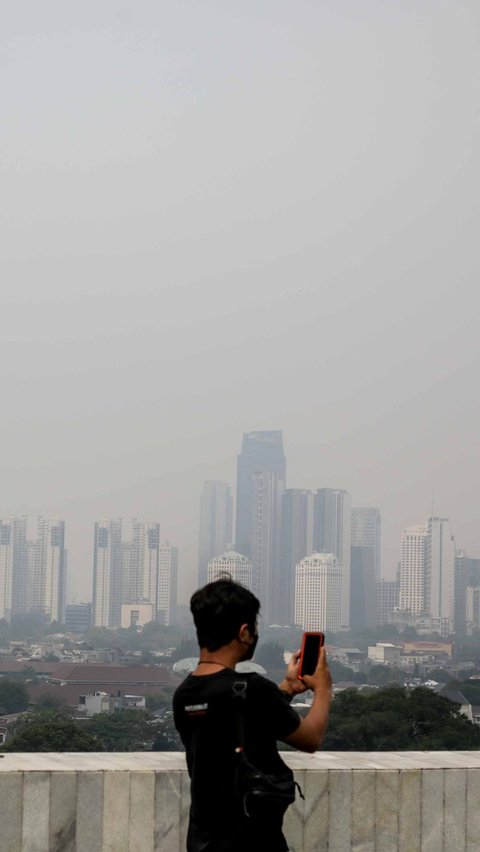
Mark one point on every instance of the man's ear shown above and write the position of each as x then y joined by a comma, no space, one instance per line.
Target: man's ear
244,634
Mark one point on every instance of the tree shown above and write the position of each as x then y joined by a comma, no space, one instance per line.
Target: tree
13,697
270,656
46,701
49,731
166,735
187,648
124,730
340,672
396,719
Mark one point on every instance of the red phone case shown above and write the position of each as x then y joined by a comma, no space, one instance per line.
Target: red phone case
304,641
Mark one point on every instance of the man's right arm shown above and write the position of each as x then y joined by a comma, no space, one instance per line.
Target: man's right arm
311,730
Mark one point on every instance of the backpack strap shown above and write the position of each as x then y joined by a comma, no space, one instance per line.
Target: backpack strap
239,696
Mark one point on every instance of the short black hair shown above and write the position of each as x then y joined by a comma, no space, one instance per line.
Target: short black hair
219,609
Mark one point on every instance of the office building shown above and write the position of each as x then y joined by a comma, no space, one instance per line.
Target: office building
296,544
472,607
145,561
363,589
108,573
12,565
387,599
49,588
231,564
412,569
318,593
332,534
440,571
261,474
167,583
467,574
78,617
216,512
366,532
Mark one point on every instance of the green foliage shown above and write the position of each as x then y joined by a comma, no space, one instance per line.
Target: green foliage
13,696
50,702
159,700
166,735
440,675
340,672
270,656
49,731
124,730
186,648
470,689
395,719
380,675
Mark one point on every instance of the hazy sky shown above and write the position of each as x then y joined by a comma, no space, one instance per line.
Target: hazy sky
225,216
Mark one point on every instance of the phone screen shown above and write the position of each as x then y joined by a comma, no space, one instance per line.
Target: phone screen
312,642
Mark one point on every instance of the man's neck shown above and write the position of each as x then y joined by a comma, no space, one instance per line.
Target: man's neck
211,662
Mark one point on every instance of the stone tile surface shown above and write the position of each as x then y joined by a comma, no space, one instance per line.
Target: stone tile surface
363,810
316,810
142,811
168,810
63,811
455,806
11,805
386,810
339,809
90,811
472,822
36,812
432,810
116,811
410,813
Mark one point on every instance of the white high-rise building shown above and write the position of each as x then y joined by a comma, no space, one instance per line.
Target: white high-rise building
107,573
332,516
440,571
231,563
412,569
7,557
145,560
167,583
50,569
366,532
215,524
318,592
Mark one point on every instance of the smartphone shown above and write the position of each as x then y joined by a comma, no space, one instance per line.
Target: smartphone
311,644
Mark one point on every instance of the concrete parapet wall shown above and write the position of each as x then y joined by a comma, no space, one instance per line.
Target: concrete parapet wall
382,802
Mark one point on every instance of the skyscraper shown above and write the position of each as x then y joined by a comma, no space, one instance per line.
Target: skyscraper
412,569
363,589
12,565
366,532
332,534
440,572
318,592
238,567
467,574
107,573
145,560
387,599
50,569
167,583
215,525
296,544
261,474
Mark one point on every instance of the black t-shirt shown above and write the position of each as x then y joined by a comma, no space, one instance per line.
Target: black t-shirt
203,712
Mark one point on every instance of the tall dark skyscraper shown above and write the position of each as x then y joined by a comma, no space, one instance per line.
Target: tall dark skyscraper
215,525
296,544
261,475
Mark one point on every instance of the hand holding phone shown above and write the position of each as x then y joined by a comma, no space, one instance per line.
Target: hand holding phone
310,653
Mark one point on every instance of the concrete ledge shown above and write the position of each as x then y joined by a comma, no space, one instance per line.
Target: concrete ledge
138,802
